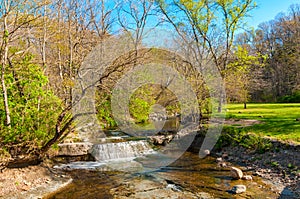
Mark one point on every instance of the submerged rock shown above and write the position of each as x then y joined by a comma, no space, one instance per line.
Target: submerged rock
149,187
236,173
174,187
204,195
238,189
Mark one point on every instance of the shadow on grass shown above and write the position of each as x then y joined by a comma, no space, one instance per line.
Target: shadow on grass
277,120
277,128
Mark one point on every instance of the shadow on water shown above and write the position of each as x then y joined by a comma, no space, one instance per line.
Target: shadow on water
288,194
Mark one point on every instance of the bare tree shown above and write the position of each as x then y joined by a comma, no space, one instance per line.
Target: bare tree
134,18
210,26
100,16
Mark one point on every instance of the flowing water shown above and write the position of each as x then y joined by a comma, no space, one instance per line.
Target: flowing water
120,150
119,172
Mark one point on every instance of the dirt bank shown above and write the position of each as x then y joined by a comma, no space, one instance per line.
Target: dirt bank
30,182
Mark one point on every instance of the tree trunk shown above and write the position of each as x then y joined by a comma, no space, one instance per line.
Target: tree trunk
43,47
245,105
4,55
60,128
5,98
220,102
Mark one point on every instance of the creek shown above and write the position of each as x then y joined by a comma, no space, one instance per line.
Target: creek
130,169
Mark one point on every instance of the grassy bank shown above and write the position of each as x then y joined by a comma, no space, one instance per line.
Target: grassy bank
277,120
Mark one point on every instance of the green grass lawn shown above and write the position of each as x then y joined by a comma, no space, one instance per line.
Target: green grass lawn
278,120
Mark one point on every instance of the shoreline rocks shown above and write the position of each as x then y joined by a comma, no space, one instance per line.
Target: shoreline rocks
283,176
161,139
236,173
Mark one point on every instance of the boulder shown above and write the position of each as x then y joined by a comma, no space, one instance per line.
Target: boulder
236,173
238,189
74,149
298,119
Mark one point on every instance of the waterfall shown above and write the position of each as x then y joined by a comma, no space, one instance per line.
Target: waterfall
120,150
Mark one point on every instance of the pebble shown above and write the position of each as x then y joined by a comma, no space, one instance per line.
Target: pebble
207,152
223,164
257,173
225,155
27,183
247,177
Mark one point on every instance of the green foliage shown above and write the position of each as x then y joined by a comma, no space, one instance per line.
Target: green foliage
104,113
238,75
33,108
4,153
140,109
290,166
294,98
231,116
55,147
239,137
256,142
274,164
140,104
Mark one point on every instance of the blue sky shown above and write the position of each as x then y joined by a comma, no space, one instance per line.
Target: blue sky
268,9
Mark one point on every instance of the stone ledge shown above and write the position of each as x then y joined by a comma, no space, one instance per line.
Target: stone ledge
74,149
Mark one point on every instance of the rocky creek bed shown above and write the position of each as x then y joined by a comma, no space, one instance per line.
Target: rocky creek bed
279,166
274,174
188,177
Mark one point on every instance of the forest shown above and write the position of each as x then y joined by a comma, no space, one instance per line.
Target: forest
43,44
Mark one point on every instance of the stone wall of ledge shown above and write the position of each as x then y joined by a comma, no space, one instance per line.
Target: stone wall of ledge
74,149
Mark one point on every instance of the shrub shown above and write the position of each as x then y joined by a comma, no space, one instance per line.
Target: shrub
238,137
33,108
294,98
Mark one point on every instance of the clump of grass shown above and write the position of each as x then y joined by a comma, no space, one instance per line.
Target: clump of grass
4,154
231,116
274,164
238,137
